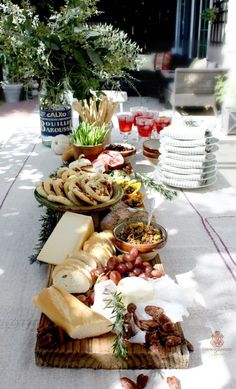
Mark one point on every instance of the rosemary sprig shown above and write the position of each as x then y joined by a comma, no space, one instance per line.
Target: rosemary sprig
152,184
190,122
119,346
48,223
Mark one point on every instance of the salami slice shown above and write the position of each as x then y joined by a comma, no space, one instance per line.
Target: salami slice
112,158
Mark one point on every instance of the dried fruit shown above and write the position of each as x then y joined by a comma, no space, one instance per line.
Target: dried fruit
173,382
128,383
142,381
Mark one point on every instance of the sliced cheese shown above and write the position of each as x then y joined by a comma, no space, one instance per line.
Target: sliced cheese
68,236
66,311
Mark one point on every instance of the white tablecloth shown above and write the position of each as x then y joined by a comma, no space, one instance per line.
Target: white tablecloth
200,254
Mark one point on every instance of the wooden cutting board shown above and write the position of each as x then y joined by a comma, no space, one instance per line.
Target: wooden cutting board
97,353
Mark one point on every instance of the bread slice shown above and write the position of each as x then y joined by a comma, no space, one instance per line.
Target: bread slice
66,311
89,260
72,280
100,245
79,265
58,268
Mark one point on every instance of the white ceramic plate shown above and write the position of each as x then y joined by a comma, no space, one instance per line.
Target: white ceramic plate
166,140
187,157
187,171
189,185
186,133
188,177
196,150
186,163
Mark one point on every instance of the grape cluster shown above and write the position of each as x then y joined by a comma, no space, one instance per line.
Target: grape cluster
86,298
125,265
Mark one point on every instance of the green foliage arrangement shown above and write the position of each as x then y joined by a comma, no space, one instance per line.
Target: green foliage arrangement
210,14
16,42
225,91
88,134
65,53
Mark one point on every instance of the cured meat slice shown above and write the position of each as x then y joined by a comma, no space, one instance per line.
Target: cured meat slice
112,158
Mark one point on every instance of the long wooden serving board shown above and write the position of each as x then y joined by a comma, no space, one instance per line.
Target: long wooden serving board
96,353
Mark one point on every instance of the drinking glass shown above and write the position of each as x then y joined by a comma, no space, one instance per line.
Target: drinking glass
138,111
162,122
145,127
125,120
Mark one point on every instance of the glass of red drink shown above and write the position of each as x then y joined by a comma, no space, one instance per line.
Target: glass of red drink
125,120
138,111
162,122
145,126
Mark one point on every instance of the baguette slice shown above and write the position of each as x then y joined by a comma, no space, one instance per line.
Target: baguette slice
100,246
72,280
66,311
72,266
85,257
79,265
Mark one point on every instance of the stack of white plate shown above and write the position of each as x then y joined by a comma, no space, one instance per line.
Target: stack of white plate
187,157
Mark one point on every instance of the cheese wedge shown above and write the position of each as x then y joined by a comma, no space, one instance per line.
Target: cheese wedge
66,311
68,236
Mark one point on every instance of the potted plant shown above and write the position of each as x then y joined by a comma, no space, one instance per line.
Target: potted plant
15,50
210,14
225,93
69,53
88,139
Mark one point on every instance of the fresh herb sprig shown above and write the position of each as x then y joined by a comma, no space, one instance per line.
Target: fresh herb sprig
88,134
48,223
168,194
119,346
190,123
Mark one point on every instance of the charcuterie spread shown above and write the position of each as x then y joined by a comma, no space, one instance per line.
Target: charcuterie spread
98,291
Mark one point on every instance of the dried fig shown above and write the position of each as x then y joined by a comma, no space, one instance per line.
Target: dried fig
128,383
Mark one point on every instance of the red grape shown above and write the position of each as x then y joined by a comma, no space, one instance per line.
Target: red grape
126,258
115,276
111,264
145,264
137,271
133,254
156,273
143,275
129,266
138,262
98,272
82,298
121,268
120,258
148,269
104,278
90,295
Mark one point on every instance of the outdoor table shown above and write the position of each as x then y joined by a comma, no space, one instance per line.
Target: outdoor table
200,255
